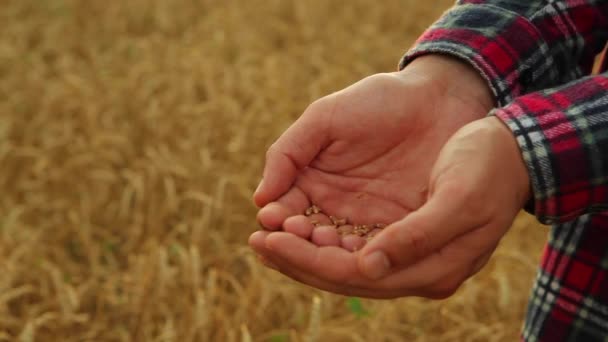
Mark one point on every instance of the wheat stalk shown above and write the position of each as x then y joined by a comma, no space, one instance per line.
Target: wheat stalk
314,324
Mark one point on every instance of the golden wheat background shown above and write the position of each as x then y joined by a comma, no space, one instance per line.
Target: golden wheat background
132,134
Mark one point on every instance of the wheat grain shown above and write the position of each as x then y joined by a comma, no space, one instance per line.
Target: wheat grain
343,225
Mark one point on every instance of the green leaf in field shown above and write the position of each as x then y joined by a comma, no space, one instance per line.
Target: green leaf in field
356,307
279,338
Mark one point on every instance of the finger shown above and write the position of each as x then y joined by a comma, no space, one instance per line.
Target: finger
280,263
440,274
418,235
272,216
266,262
325,236
277,261
434,277
346,229
331,263
352,243
292,151
333,269
337,265
341,289
257,241
435,292
295,200
299,225
320,219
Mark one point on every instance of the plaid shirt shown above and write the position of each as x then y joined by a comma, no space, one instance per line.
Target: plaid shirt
537,57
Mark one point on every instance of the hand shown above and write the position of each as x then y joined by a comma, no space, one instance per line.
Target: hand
350,150
364,153
477,186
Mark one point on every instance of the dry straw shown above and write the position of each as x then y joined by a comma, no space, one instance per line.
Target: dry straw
314,324
132,134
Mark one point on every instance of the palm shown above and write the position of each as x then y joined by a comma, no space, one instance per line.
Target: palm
375,163
378,182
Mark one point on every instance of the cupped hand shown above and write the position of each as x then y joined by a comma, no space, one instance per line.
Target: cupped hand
364,153
477,186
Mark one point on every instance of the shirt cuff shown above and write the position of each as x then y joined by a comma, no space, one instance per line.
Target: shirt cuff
499,43
563,137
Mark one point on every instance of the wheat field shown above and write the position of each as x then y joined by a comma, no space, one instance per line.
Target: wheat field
132,135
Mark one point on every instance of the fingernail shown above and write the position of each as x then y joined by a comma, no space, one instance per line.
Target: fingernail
376,265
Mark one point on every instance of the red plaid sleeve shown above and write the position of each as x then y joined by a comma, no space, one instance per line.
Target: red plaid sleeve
520,46
563,135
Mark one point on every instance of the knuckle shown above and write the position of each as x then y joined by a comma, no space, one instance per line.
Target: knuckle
318,106
272,150
382,77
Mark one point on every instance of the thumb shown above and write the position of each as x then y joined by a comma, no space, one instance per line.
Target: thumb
293,150
441,219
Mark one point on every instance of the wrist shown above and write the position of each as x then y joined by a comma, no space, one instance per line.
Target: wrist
456,78
513,156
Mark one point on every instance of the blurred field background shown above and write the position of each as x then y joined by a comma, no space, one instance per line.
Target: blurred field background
132,134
